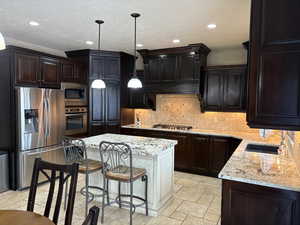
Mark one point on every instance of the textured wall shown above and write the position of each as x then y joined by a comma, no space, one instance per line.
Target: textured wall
293,143
185,109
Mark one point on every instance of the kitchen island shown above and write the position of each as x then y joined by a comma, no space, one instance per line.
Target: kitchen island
156,155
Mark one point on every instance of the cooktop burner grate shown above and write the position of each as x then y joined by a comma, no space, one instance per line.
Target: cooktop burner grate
172,126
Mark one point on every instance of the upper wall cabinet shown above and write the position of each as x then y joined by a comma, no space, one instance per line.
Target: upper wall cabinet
73,71
225,89
35,68
174,70
26,69
49,72
274,68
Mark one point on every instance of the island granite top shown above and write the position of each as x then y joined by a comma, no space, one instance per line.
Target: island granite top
139,145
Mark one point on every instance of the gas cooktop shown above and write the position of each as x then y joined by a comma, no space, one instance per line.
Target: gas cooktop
172,126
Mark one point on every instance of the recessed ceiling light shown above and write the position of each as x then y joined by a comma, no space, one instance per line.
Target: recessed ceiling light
176,41
139,45
33,23
211,26
89,42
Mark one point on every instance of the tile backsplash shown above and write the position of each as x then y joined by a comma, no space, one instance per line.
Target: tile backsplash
185,110
293,144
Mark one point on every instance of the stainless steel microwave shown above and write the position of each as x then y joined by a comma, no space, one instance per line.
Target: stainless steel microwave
75,94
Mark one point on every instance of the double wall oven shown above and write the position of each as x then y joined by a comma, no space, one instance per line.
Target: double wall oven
76,111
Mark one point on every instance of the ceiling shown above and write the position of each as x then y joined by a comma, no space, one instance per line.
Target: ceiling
68,24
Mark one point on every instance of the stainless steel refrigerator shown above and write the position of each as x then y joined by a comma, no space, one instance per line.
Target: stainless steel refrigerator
40,129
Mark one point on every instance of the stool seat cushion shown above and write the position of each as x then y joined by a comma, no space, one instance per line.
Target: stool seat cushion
93,165
122,173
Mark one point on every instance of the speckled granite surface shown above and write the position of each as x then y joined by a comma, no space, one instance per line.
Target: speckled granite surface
261,169
252,167
139,145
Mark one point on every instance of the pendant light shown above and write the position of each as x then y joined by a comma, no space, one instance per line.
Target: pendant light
2,42
134,82
98,83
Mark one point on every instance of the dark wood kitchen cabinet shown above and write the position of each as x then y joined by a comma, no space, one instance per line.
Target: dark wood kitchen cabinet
49,72
200,154
105,109
105,104
194,153
73,71
174,70
138,98
219,152
244,203
27,69
105,67
274,76
225,89
35,68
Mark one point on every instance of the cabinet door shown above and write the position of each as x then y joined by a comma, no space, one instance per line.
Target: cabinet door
98,106
213,90
182,152
274,81
50,72
200,148
234,90
112,68
168,68
187,67
80,73
27,69
113,102
137,99
252,204
218,154
153,70
96,67
67,71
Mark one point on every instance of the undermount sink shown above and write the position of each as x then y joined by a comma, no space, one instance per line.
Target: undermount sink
262,149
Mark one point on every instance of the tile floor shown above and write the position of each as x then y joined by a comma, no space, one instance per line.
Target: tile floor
197,201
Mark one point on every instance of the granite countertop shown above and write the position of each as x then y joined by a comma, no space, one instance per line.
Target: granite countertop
139,145
261,169
252,167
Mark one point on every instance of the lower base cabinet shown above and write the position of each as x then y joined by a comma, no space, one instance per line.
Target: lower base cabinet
97,129
200,154
250,204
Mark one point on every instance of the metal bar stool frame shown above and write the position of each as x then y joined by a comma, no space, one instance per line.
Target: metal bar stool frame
75,152
113,156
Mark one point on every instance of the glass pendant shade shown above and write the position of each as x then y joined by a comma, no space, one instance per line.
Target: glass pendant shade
98,84
134,82
2,42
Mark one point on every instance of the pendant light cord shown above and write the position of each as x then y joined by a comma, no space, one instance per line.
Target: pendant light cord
134,71
99,33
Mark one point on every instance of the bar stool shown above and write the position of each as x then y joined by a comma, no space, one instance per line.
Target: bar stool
117,165
75,152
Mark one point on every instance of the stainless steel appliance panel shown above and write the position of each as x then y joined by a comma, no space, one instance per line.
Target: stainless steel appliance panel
26,163
75,94
55,120
3,171
31,130
40,117
76,120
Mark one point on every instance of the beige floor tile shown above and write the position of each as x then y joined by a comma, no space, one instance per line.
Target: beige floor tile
187,182
171,206
192,208
162,220
213,217
189,194
178,215
197,200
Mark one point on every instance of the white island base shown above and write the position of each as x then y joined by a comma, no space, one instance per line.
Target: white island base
158,164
